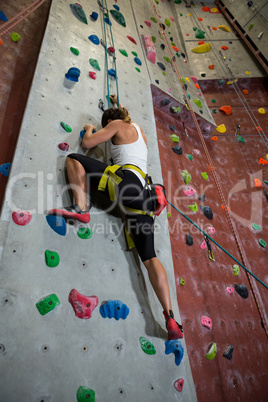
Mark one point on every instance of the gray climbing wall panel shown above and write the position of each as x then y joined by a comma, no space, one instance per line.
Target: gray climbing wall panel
48,357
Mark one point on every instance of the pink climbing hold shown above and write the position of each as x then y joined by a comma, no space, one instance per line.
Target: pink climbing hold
92,75
206,321
132,39
185,61
203,245
148,23
82,305
194,79
211,229
169,90
172,19
189,192
187,34
21,218
63,146
198,93
196,151
149,47
230,290
179,384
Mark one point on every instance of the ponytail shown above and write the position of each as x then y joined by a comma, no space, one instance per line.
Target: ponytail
115,114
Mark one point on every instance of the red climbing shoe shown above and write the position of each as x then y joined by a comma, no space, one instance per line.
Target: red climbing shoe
73,212
174,329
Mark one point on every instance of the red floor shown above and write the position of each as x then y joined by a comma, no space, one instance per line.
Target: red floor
235,320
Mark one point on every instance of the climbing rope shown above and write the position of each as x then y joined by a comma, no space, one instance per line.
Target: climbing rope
6,27
211,166
235,86
217,244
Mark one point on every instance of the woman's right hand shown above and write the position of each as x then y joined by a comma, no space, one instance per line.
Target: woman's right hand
114,98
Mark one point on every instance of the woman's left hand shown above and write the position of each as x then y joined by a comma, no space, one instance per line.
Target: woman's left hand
89,127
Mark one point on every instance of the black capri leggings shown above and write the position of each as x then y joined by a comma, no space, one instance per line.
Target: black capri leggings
130,194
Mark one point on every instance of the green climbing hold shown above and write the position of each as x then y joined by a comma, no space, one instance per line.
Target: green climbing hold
52,258
181,14
168,214
236,269
240,139
193,207
183,80
256,227
167,22
198,102
214,111
94,63
147,346
213,100
221,82
189,96
194,28
118,17
182,282
176,109
190,157
135,54
265,181
212,352
123,52
74,50
84,233
230,59
204,175
186,176
66,127
173,44
250,26
85,394
153,19
78,10
154,39
199,34
47,304
15,37
177,2
175,138
167,59
163,73
156,1
178,54
136,68
262,242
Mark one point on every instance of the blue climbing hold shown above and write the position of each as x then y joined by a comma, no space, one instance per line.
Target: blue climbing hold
175,347
137,60
107,21
114,309
94,16
5,168
82,133
116,7
73,74
112,72
185,86
94,39
3,16
57,223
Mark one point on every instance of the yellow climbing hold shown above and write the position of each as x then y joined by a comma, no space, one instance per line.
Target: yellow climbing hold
231,82
187,79
214,10
261,110
224,28
221,128
206,47
190,15
267,156
248,72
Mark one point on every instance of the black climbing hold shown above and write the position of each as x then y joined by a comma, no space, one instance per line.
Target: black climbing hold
177,149
202,197
203,74
201,111
207,211
172,128
171,39
157,81
183,54
229,352
185,86
242,290
165,102
141,26
161,66
265,193
250,3
162,46
162,26
189,240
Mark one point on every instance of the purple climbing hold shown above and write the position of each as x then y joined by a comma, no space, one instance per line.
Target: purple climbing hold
114,309
175,347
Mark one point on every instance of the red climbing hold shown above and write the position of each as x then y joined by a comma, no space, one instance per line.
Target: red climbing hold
175,48
263,161
92,75
111,49
63,146
226,109
200,19
21,218
224,47
179,384
201,42
214,28
82,305
211,66
205,9
214,138
132,39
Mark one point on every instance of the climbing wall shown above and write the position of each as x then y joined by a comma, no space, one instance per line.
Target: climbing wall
61,351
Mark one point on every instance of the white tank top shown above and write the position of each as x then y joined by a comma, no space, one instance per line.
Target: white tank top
134,154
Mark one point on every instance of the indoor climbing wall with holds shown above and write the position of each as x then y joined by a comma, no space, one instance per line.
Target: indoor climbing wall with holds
213,48
78,310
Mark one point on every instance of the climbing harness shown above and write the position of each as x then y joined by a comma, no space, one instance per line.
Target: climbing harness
210,253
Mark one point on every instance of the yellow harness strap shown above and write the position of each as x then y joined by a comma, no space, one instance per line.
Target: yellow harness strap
109,177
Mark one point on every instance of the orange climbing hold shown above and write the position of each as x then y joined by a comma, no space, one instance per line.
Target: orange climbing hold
211,167
201,42
175,48
214,138
257,183
263,161
200,19
214,28
211,66
1,42
258,128
245,91
224,47
197,86
223,207
226,109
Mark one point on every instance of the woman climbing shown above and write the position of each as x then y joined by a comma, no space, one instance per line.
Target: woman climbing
125,182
